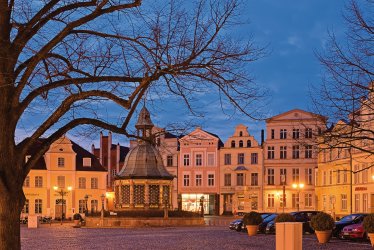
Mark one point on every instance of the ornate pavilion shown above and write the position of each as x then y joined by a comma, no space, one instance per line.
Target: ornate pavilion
143,183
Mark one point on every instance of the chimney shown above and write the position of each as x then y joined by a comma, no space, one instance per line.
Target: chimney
262,136
101,148
92,149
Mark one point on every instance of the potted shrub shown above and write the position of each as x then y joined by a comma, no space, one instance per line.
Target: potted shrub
323,224
77,219
368,224
284,217
252,220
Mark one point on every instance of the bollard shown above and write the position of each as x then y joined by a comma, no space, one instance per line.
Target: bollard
289,236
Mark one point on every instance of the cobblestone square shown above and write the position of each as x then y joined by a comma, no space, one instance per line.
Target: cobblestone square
208,237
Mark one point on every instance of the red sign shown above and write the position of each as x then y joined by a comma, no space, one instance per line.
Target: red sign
361,188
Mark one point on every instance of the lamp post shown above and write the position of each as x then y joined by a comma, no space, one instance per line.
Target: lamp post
202,205
179,199
86,201
277,194
62,192
298,186
102,206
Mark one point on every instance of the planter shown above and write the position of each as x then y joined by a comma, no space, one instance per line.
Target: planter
323,236
252,230
371,236
77,223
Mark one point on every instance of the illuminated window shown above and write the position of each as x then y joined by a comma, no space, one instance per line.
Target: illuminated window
94,183
38,206
82,183
38,181
198,180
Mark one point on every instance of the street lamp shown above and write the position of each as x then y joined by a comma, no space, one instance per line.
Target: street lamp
62,192
202,205
179,199
86,201
298,186
102,205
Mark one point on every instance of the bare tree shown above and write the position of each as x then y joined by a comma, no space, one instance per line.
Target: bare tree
347,90
62,61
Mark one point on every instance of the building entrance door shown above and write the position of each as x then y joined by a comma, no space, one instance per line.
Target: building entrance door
227,201
60,209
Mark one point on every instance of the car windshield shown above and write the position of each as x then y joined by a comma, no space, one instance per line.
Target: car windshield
270,217
264,216
349,218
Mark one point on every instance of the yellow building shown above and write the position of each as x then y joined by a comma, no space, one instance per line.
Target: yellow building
67,180
345,182
241,173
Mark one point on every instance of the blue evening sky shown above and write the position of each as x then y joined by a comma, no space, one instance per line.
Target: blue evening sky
293,30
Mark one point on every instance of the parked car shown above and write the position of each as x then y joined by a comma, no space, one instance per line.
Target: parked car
301,216
346,221
236,225
354,231
262,226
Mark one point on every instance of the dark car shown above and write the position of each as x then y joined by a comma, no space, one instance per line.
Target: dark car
262,226
236,225
301,216
346,221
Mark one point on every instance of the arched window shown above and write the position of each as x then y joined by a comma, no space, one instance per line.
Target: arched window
233,144
249,144
240,144
241,133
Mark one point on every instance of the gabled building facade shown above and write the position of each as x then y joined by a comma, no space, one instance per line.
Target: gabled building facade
198,171
241,173
69,168
290,160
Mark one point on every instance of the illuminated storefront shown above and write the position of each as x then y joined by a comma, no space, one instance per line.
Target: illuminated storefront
192,202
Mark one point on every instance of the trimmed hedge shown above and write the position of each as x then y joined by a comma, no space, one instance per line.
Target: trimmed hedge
322,222
368,223
253,218
284,217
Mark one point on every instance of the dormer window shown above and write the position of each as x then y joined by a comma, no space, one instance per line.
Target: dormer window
86,162
241,133
233,144
240,144
249,144
61,162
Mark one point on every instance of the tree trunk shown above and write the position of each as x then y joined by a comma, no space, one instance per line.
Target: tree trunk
9,220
